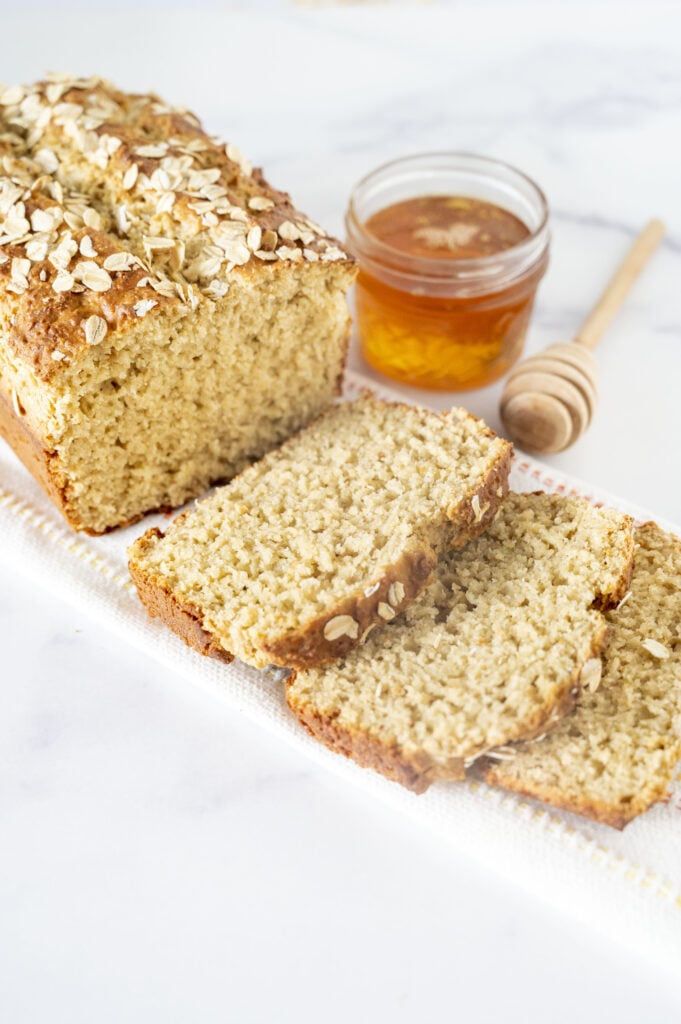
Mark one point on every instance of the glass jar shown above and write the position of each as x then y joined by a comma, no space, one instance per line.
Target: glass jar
446,323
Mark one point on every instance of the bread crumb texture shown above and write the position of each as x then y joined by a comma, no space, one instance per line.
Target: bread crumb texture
491,652
302,555
166,316
616,755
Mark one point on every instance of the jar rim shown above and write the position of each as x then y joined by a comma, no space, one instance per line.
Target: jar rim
516,261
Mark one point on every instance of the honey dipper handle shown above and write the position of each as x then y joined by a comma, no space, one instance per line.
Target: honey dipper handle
594,326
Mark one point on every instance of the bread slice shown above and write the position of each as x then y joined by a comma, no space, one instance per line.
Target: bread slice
166,316
491,652
615,756
328,536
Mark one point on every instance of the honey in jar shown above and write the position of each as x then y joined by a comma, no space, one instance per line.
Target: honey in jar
447,278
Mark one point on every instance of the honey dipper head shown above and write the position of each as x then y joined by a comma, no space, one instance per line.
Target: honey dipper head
549,398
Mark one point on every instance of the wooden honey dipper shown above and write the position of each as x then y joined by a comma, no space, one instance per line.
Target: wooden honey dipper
549,399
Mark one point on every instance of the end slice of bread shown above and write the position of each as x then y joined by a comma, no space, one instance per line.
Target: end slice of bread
491,652
616,755
327,537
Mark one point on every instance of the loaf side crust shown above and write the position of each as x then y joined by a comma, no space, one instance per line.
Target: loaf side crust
415,773
38,460
593,809
309,646
480,506
606,601
414,571
183,618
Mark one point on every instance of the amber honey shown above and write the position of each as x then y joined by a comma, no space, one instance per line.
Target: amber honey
447,282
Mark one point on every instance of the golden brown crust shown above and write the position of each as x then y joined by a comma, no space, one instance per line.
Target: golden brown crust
415,773
310,647
183,619
48,327
41,463
301,650
578,804
121,173
482,504
604,602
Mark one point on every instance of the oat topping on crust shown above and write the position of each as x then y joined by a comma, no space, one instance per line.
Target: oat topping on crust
339,626
101,190
95,328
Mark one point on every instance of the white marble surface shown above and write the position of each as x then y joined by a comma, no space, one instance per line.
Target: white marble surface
162,860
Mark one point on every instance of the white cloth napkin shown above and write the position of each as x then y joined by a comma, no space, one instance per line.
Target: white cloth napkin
627,885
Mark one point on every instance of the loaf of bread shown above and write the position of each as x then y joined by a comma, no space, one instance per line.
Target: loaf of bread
493,651
332,534
166,317
616,755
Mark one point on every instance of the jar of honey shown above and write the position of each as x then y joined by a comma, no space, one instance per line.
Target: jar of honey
451,249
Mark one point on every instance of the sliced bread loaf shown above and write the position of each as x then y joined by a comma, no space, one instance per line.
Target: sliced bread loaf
491,652
615,756
166,316
328,536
